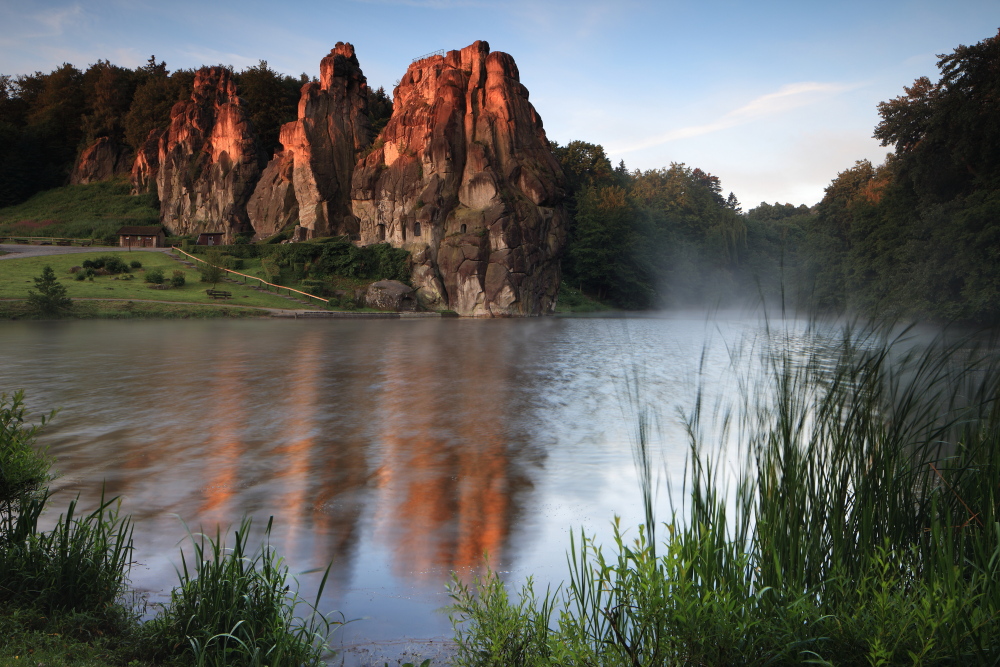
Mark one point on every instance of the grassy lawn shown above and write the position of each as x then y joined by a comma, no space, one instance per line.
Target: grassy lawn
95,210
17,279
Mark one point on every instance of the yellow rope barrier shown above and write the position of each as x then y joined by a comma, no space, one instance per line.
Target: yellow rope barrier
279,287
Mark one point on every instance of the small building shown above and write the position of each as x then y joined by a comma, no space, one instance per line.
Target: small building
142,237
210,238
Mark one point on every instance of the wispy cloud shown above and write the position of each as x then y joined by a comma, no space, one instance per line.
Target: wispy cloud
788,97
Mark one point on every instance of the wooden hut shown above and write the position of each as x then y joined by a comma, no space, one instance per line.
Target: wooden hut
142,237
210,238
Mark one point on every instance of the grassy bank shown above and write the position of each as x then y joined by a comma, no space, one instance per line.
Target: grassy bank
64,596
861,527
572,300
17,279
96,210
126,310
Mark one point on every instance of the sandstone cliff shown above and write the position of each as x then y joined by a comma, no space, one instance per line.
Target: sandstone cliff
208,160
100,161
147,164
463,178
310,179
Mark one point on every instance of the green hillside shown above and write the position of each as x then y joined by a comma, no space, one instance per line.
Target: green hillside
95,210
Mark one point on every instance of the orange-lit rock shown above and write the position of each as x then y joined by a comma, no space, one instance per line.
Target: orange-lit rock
100,161
208,159
147,164
462,177
310,179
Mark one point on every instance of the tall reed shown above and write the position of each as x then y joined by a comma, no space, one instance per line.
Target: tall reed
863,525
234,607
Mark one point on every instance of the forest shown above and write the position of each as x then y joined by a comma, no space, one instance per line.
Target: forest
916,236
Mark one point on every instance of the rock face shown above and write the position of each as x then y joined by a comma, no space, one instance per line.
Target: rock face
310,179
147,164
100,161
208,160
463,178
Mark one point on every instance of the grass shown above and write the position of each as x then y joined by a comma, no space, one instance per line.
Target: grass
234,607
862,526
572,300
17,278
95,210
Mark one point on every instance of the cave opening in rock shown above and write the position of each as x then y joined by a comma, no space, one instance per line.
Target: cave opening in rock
380,232
416,229
463,229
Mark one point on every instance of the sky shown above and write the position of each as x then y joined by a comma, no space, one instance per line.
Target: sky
773,97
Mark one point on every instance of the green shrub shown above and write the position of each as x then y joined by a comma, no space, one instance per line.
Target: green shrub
111,264
177,279
154,276
23,468
135,264
234,607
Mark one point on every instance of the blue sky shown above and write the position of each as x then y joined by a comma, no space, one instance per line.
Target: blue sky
775,98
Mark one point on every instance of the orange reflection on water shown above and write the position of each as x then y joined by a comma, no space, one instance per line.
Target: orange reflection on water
297,457
224,403
444,479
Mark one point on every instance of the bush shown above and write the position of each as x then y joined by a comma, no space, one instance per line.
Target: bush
154,276
23,469
177,280
110,264
135,264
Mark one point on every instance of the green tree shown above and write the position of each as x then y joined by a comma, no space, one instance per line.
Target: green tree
50,299
379,109
211,270
271,100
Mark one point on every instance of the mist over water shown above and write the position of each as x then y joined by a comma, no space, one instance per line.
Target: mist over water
399,450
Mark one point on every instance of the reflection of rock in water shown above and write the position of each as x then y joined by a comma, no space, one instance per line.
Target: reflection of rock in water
450,486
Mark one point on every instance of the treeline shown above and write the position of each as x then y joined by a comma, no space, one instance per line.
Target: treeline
918,235
47,119
668,237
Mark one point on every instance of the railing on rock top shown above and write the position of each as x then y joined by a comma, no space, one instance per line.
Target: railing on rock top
439,52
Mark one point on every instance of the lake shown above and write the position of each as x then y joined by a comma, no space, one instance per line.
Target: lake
399,450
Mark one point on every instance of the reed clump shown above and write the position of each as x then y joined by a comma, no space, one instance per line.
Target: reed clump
234,607
860,528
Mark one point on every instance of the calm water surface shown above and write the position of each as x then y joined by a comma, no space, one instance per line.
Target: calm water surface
399,450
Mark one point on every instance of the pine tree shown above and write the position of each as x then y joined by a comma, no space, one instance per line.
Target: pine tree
51,297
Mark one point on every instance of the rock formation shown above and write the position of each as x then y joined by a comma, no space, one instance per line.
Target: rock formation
100,161
463,178
310,179
208,160
147,164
